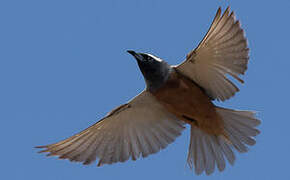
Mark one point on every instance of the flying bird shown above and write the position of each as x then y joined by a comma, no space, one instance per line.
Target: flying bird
175,96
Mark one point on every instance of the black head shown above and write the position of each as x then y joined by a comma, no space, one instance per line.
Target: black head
155,70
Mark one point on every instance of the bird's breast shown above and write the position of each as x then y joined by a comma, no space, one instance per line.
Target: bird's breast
189,103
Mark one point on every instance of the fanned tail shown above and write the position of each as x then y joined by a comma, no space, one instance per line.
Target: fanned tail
207,151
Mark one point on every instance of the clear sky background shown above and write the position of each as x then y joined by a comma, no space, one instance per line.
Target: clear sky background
63,66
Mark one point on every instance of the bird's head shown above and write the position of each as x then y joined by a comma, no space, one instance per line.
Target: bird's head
155,70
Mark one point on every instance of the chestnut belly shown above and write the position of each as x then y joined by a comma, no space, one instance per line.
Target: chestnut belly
189,103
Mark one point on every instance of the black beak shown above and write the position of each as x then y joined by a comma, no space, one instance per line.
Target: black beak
131,52
137,56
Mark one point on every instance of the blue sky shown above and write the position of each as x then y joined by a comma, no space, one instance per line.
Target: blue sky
63,66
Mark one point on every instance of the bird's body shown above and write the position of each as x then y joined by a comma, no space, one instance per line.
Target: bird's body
174,96
189,102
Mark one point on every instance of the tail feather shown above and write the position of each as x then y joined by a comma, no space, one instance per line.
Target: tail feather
218,155
207,151
226,150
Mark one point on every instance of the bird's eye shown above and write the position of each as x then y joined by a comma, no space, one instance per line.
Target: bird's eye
147,58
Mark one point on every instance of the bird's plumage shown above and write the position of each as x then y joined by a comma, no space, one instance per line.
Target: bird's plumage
139,128
207,151
155,71
223,51
176,95
189,103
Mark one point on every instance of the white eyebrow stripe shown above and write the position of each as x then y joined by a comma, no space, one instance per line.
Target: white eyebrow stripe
156,58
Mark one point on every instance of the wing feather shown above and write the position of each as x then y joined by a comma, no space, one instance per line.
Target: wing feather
223,52
138,128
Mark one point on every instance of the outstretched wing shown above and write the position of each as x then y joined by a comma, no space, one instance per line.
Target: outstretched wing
140,127
223,51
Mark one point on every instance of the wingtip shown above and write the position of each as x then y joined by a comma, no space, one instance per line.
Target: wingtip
228,9
218,13
41,147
